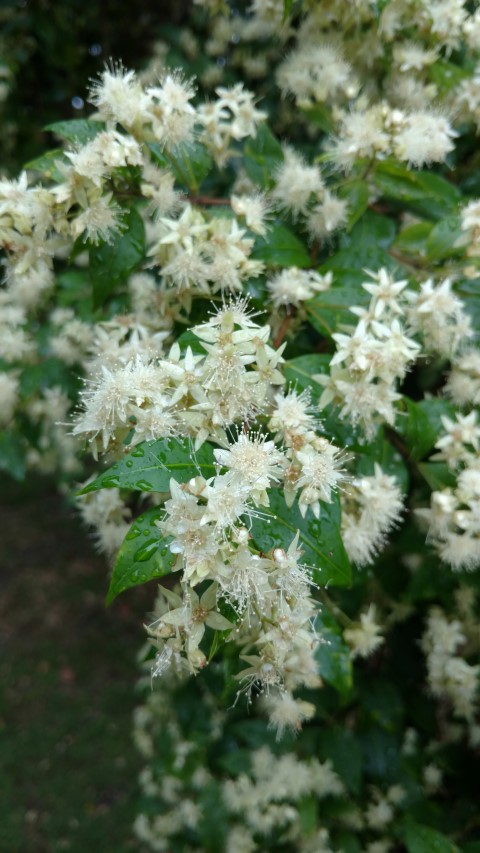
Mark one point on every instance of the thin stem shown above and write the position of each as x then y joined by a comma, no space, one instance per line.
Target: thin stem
282,330
342,617
209,200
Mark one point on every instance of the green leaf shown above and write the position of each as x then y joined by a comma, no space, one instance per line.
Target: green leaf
280,248
189,339
190,162
144,554
357,195
332,654
320,538
12,454
386,455
422,424
76,130
35,378
469,291
446,75
46,165
443,237
423,192
321,115
300,372
437,475
308,814
423,839
372,231
342,748
347,842
413,240
331,309
262,154
151,464
112,263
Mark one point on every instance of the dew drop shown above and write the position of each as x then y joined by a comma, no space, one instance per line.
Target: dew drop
129,463
144,485
138,452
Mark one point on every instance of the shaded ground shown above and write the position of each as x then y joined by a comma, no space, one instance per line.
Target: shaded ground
68,768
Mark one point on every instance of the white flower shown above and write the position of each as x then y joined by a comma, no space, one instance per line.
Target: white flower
321,472
364,639
293,286
253,462
296,183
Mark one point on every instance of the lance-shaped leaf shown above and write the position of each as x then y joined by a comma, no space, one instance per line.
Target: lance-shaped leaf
320,538
150,466
144,555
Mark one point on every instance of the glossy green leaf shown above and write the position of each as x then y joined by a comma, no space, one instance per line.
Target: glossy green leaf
424,839
437,475
263,153
46,165
443,237
331,309
143,555
112,263
190,162
12,454
300,372
280,248
420,425
151,464
320,538
423,192
365,246
332,654
357,195
372,231
76,129
384,453
413,239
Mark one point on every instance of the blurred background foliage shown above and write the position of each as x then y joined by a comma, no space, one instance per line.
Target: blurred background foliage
49,50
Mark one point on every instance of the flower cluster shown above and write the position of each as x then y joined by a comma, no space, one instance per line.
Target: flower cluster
228,381
453,516
371,506
449,674
371,357
301,189
201,257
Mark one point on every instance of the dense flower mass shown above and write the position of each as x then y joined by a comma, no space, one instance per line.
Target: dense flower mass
251,287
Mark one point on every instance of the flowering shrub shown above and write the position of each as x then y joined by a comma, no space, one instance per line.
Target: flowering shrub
273,304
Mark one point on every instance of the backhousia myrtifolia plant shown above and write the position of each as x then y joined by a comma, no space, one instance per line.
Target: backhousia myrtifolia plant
262,256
